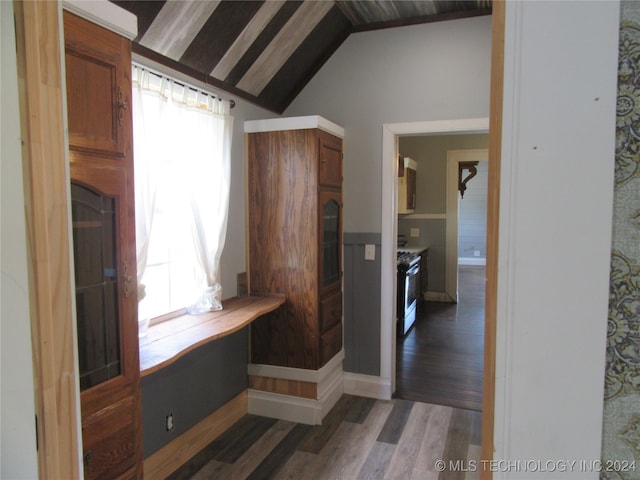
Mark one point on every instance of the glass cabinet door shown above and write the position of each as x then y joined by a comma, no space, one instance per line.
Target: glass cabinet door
96,277
331,231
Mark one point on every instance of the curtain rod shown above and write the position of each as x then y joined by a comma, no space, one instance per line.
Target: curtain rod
182,83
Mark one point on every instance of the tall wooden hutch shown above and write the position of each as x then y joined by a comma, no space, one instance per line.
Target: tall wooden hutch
294,172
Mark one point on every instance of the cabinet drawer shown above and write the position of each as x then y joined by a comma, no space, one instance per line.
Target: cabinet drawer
330,311
330,343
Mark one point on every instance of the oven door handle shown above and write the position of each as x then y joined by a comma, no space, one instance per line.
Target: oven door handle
414,269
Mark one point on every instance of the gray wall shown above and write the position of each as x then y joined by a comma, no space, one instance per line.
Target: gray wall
430,151
424,72
361,305
192,388
418,73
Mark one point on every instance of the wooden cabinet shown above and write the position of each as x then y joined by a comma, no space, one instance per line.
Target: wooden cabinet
98,65
406,185
295,242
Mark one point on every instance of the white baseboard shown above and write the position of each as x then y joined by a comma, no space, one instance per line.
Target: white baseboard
284,407
330,387
472,261
367,386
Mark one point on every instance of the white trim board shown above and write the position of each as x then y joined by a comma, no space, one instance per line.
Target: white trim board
472,261
106,14
330,387
389,228
293,123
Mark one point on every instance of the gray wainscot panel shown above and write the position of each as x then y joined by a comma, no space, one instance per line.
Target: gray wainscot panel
192,388
361,304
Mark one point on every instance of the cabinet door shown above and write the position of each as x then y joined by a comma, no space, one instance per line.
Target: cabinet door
106,306
330,238
98,71
330,160
102,214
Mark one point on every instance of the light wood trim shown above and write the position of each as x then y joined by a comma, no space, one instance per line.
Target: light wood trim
46,180
493,215
283,386
168,341
173,455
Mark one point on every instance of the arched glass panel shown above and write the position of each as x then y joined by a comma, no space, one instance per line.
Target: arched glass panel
94,250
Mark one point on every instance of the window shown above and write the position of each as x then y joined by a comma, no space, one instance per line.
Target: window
182,141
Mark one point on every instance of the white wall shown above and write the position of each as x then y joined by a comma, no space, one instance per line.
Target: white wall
17,412
433,71
555,231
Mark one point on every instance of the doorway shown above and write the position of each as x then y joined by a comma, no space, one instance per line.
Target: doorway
440,360
390,144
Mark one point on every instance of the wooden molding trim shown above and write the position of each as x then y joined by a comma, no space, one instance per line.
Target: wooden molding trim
284,387
493,215
173,455
41,92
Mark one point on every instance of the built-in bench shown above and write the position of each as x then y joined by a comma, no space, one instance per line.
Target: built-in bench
167,341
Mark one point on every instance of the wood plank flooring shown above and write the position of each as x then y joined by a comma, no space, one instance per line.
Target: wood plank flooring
436,415
361,438
441,360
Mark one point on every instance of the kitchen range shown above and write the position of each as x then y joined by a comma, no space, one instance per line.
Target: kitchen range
409,289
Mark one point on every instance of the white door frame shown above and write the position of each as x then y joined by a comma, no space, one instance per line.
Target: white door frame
454,157
389,227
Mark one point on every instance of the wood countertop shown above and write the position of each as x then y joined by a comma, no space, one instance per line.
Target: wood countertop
167,341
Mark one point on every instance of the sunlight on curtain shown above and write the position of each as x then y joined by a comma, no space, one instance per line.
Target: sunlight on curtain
182,147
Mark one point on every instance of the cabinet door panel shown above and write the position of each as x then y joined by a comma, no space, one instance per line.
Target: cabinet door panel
107,436
330,344
330,238
330,311
330,156
98,71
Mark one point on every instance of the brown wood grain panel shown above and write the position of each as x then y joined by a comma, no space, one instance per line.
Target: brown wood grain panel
99,117
283,386
110,448
218,33
305,61
283,255
41,85
265,37
330,311
330,165
493,216
330,343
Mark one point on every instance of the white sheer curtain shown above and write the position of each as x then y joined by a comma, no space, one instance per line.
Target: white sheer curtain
182,142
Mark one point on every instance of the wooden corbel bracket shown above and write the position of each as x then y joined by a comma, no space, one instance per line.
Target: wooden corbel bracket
462,166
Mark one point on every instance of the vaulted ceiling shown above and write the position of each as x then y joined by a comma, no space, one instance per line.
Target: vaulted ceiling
267,51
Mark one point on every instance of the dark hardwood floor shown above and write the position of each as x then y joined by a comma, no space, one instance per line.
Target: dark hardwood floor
361,438
440,361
